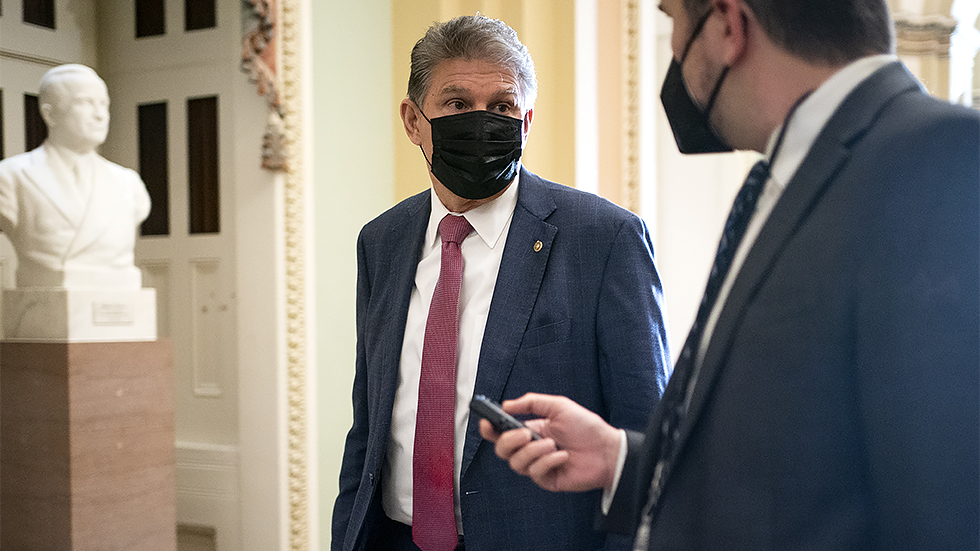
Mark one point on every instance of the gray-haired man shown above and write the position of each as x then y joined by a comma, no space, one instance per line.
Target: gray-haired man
557,292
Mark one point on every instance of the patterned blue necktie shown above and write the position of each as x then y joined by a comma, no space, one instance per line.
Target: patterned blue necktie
675,397
673,404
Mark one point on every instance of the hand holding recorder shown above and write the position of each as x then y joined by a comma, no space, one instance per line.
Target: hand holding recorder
576,450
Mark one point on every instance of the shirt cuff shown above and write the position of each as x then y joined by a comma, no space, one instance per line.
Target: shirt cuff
609,493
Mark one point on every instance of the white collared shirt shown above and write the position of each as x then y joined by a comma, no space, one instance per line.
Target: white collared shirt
482,252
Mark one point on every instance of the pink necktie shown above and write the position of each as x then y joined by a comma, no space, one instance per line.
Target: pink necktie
433,512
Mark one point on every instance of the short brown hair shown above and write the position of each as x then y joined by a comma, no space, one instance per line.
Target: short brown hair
829,31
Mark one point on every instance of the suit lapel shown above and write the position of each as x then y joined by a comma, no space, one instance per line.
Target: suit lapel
829,153
49,184
404,248
518,281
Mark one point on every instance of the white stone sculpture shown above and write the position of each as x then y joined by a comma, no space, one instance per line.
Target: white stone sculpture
71,214
72,217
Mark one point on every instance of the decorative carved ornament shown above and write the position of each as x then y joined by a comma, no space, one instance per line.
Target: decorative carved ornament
631,104
928,37
259,49
291,152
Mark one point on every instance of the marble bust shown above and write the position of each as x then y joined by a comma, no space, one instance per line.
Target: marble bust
71,215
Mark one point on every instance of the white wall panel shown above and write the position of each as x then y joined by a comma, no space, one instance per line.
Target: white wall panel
209,318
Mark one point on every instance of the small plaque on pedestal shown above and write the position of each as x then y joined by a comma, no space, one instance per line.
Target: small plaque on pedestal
79,315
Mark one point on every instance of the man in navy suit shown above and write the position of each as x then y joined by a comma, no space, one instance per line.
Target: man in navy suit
559,294
830,399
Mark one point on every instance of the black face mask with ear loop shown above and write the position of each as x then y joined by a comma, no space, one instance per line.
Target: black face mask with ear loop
689,122
476,154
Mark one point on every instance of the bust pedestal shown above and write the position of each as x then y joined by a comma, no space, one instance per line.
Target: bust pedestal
87,449
41,314
87,443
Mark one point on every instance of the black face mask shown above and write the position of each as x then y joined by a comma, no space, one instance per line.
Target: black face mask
690,124
476,154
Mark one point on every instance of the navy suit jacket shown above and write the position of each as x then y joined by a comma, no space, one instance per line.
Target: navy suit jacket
581,317
837,405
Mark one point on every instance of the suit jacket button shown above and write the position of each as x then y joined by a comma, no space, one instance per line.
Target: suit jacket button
537,246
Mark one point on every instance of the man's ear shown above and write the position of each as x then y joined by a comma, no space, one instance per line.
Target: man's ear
528,117
411,119
735,18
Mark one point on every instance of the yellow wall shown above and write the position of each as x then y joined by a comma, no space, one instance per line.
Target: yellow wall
609,49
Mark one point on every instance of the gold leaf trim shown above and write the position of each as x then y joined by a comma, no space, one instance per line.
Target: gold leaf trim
297,441
256,43
631,104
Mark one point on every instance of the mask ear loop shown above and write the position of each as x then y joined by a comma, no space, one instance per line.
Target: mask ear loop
714,93
694,35
721,78
427,161
687,49
421,112
724,73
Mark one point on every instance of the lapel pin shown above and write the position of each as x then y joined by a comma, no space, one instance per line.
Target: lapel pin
537,246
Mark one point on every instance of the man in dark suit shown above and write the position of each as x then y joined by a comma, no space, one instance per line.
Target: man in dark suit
827,397
558,293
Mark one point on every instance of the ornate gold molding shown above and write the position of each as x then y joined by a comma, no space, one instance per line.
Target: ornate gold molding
294,134
631,104
259,51
927,37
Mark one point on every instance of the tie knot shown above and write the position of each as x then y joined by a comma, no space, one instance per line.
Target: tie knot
454,229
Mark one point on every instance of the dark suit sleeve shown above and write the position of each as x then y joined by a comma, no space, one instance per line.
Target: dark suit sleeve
351,470
633,352
918,341
621,518
634,359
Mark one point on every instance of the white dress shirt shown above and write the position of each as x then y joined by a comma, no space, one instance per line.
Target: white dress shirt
482,251
804,127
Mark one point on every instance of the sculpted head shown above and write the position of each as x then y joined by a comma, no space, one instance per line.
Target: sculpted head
74,103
